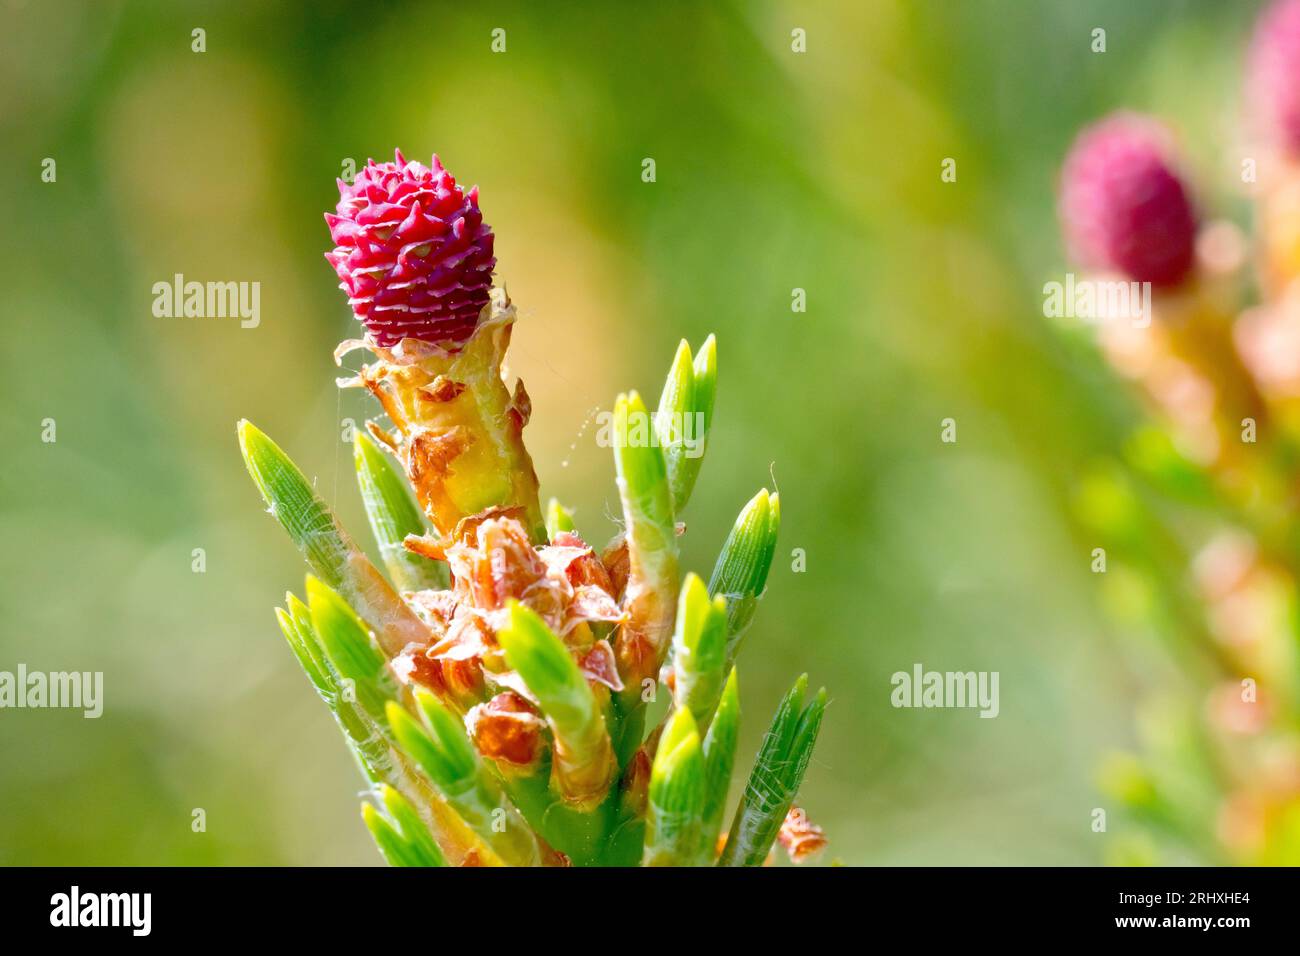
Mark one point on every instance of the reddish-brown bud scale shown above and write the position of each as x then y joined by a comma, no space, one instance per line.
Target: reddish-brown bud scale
801,838
455,681
508,729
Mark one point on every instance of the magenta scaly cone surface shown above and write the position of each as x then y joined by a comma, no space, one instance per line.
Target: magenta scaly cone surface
412,251
1123,205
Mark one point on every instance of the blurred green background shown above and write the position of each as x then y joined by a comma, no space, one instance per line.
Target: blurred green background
775,171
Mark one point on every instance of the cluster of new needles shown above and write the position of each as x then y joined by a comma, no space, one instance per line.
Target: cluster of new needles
514,696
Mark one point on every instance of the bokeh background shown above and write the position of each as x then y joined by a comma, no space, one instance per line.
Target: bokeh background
775,171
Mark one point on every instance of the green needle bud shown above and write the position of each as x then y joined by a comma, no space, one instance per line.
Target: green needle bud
679,387
699,650
720,758
412,828
584,764
445,753
393,847
651,540
295,505
327,548
393,515
684,416
675,805
306,650
740,575
706,381
350,648
368,745
642,477
774,781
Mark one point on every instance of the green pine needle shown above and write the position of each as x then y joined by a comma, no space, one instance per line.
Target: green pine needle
350,648
720,758
642,479
774,781
684,416
394,846
327,548
583,754
412,828
699,650
450,764
393,516
740,574
675,808
549,670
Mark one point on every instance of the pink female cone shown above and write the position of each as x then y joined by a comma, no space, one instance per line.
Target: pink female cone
1123,205
413,253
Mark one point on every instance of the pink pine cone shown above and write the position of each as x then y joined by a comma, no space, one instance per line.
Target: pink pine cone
1273,73
413,252
1123,205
